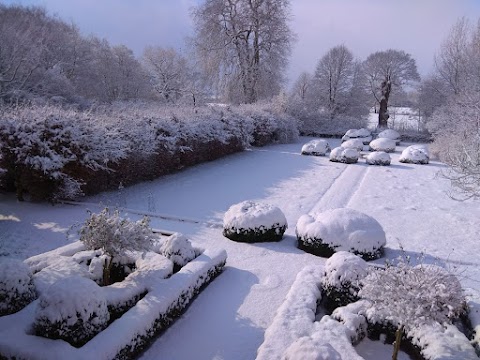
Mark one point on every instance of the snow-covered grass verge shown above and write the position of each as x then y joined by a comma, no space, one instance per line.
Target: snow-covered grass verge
162,301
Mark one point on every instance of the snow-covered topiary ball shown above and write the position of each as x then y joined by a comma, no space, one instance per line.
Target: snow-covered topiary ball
342,229
249,221
390,134
178,249
382,144
353,144
341,280
347,156
361,134
16,285
378,158
415,154
307,348
316,147
73,309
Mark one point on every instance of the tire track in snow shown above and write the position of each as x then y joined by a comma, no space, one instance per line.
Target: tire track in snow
343,188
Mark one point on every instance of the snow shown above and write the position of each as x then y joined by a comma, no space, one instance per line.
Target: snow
316,147
383,144
390,134
178,249
229,318
361,134
344,267
253,215
342,229
415,155
378,158
353,144
340,154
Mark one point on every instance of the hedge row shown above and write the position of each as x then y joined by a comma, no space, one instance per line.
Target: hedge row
52,153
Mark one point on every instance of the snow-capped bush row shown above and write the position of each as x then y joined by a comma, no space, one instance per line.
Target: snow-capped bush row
295,332
53,153
72,307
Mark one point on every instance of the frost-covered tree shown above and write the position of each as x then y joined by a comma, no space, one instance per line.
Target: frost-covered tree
333,79
385,71
244,45
407,295
115,236
302,86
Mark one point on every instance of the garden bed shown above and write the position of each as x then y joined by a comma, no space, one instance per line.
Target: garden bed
141,306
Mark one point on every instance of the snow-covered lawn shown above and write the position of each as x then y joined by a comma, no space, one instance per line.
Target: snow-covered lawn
229,318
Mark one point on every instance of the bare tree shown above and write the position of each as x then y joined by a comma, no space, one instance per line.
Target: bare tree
385,71
302,86
334,78
244,45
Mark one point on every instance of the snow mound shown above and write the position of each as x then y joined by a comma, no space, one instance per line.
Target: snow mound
343,272
73,309
16,285
347,156
178,249
353,144
415,154
316,147
361,134
382,144
249,221
378,158
307,348
390,134
342,229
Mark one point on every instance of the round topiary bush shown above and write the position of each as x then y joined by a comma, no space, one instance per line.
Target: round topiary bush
316,147
347,156
353,144
382,144
361,134
73,309
378,158
415,154
341,279
343,229
178,249
16,286
390,134
252,222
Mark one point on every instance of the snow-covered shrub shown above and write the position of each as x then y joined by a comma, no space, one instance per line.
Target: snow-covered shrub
316,147
353,144
341,279
115,236
378,158
361,134
342,229
390,134
73,309
307,348
45,150
347,156
250,221
178,249
16,286
415,154
382,144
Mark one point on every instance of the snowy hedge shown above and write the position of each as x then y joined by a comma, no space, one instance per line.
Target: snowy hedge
361,134
16,285
342,229
382,144
251,222
415,154
356,144
50,153
378,158
390,134
316,147
73,308
347,156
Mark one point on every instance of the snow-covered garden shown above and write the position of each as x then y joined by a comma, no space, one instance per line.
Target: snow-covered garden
269,301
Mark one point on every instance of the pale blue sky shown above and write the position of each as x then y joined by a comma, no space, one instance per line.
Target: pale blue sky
364,26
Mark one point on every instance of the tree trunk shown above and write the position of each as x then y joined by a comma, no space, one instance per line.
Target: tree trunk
398,340
383,110
107,269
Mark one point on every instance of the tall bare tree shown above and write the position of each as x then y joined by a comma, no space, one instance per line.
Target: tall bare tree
385,71
244,44
334,78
